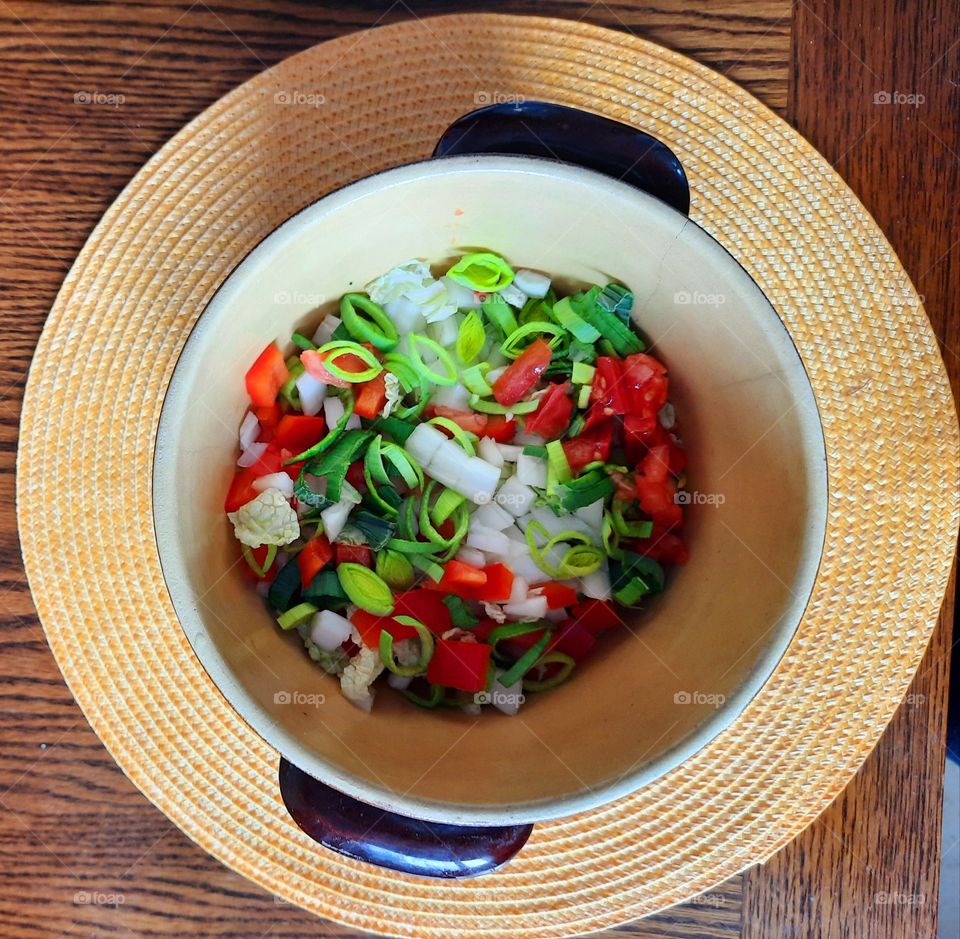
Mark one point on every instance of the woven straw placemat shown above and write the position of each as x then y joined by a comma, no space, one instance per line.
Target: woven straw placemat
373,100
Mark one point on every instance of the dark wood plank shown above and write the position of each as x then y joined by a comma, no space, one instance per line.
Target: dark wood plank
870,865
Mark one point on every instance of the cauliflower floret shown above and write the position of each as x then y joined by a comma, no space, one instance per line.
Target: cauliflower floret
394,393
359,675
433,300
397,282
268,519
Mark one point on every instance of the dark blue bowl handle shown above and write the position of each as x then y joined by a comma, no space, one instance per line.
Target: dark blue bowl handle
538,128
364,832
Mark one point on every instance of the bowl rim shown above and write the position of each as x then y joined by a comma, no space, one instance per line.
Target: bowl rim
249,711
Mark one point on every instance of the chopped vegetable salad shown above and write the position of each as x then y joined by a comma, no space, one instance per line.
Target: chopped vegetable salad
459,482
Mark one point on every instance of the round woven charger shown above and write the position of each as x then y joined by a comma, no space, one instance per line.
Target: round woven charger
372,100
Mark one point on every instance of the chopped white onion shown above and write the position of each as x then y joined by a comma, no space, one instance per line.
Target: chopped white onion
478,481
461,294
532,470
492,516
349,493
445,331
519,590
510,452
488,450
532,283
249,430
515,497
329,630
251,454
353,422
312,394
556,524
555,616
494,374
592,516
334,517
524,566
667,416
325,330
513,295
405,315
487,540
280,481
506,698
424,442
597,585
451,396
532,608
529,440
471,556
400,682
515,535
333,410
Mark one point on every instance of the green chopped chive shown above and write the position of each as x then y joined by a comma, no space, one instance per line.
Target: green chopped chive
482,271
365,588
296,615
374,327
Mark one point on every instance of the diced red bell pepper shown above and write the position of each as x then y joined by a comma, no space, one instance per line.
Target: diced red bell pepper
457,574
558,595
459,665
523,373
592,445
499,428
657,499
370,626
355,476
596,616
553,415
241,489
483,629
426,606
470,421
661,546
269,462
268,417
314,556
266,376
297,432
574,640
371,396
498,586
354,554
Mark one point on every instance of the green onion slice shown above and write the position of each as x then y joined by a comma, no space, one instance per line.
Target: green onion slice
482,271
259,569
475,379
428,565
434,700
627,528
526,661
462,437
365,588
567,665
426,648
470,338
511,345
494,407
499,312
332,434
395,569
338,347
375,327
296,615
446,503
510,631
301,342
557,460
449,374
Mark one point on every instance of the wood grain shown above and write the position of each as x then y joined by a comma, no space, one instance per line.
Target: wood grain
81,851
870,865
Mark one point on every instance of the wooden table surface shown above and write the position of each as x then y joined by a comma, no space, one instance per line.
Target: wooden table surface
72,827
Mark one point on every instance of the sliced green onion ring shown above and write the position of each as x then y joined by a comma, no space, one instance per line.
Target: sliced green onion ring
430,567
567,665
475,379
331,351
494,407
296,615
258,569
444,359
470,338
510,631
482,271
376,327
462,437
365,588
426,648
435,699
526,661
509,346
626,528
444,507
395,569
301,342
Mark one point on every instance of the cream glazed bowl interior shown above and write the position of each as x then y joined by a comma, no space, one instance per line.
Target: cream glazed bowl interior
652,694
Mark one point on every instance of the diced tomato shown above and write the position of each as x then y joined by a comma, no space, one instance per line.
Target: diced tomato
574,640
470,421
241,489
354,554
499,428
657,499
460,665
609,389
645,383
314,556
596,615
678,457
656,464
592,445
371,397
348,362
370,626
426,606
297,432
553,415
661,546
266,376
639,432
268,417
523,373
558,595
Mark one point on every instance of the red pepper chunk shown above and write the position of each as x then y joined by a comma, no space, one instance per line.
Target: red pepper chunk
266,376
426,606
596,615
371,397
296,432
241,489
354,554
459,665
523,373
558,595
316,554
